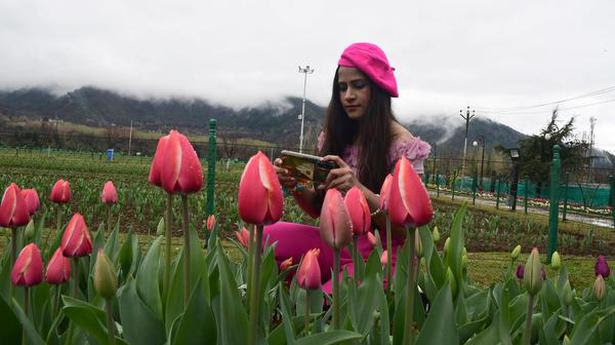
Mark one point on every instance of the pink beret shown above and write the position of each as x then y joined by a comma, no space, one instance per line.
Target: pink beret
370,59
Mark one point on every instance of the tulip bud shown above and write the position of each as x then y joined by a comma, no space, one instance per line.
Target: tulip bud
556,261
464,261
260,199
566,340
30,230
384,258
358,210
464,251
602,268
105,279
408,201
335,224
567,293
13,208
28,268
372,239
243,236
160,227
58,268
533,275
308,274
76,241
286,264
211,222
520,272
30,196
385,191
599,288
435,234
451,279
418,244
60,193
448,239
514,255
109,194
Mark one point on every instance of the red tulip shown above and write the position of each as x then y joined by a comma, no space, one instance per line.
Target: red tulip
13,209
602,268
260,199
211,222
286,264
76,241
60,193
408,202
109,194
58,268
32,200
243,236
385,190
28,268
335,224
373,240
358,209
176,166
308,274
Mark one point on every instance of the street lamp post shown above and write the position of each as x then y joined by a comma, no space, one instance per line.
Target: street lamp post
480,140
467,117
307,70
514,156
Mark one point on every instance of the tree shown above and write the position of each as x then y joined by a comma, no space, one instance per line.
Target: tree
537,151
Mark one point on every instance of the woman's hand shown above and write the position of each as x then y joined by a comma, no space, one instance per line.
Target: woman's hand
286,180
342,178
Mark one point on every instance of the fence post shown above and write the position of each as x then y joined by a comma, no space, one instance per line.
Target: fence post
437,186
612,196
497,194
474,189
525,193
565,197
211,167
453,187
554,202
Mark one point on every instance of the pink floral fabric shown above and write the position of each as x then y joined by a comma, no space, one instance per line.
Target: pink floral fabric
415,149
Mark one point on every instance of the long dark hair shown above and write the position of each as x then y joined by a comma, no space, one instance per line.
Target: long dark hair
371,133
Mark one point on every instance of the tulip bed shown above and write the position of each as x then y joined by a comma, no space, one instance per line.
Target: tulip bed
118,294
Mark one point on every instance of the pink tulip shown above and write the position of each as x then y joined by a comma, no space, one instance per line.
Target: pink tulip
408,202
308,274
211,222
243,236
176,166
76,241
260,200
286,264
32,200
60,193
335,224
358,209
383,258
109,194
602,268
385,190
58,268
372,239
13,208
28,268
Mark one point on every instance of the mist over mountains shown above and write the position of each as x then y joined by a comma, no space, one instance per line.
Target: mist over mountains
275,122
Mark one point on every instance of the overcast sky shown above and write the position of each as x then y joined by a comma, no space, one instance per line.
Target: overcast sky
491,55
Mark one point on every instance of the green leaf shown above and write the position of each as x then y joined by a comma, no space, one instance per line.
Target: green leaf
329,338
140,324
112,245
31,333
198,325
10,331
233,316
367,299
129,256
287,323
148,280
89,318
455,248
439,327
586,328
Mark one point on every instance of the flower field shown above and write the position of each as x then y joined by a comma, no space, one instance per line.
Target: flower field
101,290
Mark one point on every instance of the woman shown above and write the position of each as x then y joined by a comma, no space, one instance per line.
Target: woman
362,136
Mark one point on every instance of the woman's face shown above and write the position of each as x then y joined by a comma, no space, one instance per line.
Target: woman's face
355,91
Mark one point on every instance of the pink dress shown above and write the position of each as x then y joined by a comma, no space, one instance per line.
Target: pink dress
294,240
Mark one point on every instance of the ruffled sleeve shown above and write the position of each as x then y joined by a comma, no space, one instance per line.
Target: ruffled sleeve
321,141
415,149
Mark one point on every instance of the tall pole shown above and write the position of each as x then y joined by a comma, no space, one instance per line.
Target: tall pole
307,70
553,203
466,117
130,138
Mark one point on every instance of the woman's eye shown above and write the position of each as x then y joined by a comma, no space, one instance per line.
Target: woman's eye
359,84
343,86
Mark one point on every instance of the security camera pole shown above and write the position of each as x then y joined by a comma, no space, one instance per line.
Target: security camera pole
307,70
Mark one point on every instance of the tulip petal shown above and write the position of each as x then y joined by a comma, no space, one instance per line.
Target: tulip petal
335,224
28,268
275,198
155,177
13,208
191,172
252,200
172,163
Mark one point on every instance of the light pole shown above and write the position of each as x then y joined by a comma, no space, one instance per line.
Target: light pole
514,157
307,70
480,140
466,117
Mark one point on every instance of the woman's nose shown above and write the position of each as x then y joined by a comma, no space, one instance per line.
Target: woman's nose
349,94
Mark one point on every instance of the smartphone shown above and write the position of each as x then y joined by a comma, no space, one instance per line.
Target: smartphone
306,168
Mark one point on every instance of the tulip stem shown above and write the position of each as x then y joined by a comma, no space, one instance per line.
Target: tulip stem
167,230
25,308
110,322
336,289
357,256
409,329
255,287
56,304
108,218
250,263
13,246
527,334
307,312
186,229
389,255
76,277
